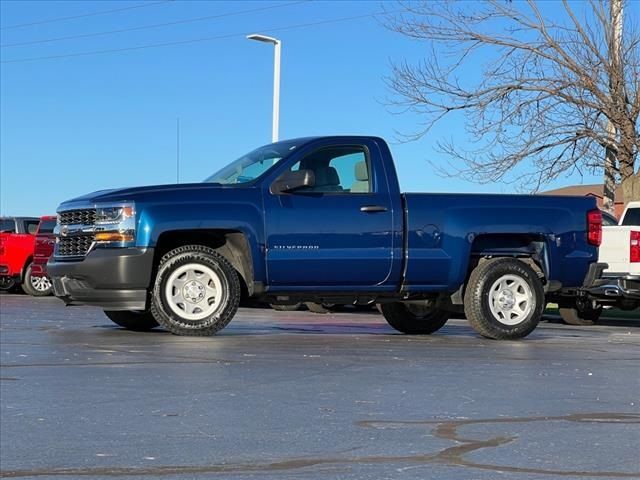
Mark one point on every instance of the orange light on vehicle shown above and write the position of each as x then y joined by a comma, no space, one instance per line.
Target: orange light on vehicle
113,237
128,212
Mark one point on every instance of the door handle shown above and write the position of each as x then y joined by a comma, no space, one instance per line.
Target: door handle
373,208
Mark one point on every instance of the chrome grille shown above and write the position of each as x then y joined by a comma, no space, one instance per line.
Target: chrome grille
85,216
75,246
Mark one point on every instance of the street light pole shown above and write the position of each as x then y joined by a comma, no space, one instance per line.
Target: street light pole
276,80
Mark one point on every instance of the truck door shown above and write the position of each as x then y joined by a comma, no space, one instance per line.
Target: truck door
337,233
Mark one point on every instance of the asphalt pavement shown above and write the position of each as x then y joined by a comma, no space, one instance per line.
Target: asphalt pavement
297,395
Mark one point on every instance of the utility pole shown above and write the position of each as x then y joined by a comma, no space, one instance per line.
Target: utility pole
178,150
615,82
277,44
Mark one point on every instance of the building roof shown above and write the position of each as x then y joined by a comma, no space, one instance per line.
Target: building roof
585,190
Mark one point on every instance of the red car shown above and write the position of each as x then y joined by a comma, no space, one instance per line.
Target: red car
45,241
17,242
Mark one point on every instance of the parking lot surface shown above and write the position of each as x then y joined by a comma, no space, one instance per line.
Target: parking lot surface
295,395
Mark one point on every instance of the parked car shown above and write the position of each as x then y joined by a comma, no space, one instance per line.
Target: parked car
17,242
608,220
620,286
620,247
322,220
39,281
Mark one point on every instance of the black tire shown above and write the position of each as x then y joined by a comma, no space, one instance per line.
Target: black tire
286,308
212,317
414,319
479,299
138,321
7,283
582,313
34,286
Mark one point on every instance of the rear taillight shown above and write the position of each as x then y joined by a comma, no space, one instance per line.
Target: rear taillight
634,247
594,227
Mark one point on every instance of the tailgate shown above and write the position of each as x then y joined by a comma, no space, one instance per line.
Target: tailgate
616,250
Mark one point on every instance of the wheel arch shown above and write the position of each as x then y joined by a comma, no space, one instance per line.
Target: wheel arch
23,272
530,248
233,245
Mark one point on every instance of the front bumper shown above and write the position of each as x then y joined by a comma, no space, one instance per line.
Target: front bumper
110,278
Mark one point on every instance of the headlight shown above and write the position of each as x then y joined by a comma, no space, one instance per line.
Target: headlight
111,215
115,225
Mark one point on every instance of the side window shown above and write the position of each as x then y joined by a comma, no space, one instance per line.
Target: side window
7,225
338,170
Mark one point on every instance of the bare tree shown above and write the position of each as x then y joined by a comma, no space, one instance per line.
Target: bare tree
551,96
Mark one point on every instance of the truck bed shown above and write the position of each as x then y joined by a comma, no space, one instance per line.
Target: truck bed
444,228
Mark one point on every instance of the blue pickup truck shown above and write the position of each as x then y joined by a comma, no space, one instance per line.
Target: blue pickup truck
322,219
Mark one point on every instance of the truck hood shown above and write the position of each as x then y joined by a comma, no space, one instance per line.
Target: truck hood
149,193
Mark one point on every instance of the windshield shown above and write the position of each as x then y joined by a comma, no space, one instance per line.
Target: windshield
250,166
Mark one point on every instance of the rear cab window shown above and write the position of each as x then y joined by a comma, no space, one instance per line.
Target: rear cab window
31,226
631,217
47,226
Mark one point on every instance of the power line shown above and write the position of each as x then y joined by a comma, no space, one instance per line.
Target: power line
156,25
197,40
90,14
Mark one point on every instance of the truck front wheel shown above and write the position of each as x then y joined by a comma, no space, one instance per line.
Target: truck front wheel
414,319
504,299
138,321
196,291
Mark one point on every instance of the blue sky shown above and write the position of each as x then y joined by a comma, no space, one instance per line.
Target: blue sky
72,125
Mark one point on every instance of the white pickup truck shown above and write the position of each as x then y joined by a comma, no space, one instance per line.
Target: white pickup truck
619,286
620,246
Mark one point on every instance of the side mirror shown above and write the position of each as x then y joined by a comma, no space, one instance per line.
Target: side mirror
292,181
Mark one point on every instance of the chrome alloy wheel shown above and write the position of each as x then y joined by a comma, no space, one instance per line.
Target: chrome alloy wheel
41,284
511,300
194,291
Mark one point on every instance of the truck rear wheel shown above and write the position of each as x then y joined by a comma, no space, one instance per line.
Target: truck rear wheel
414,319
196,292
138,321
504,299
